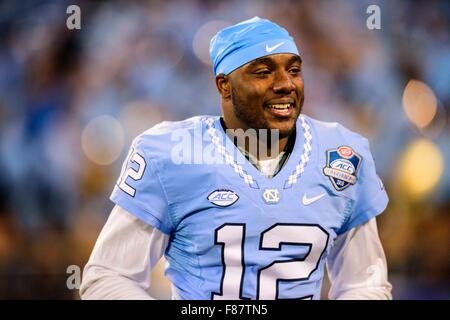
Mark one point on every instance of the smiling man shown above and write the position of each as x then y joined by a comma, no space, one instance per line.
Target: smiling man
255,225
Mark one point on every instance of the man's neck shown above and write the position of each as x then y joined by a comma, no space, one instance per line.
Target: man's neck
272,144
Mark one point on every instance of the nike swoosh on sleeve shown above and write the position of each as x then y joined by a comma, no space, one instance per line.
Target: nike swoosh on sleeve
307,201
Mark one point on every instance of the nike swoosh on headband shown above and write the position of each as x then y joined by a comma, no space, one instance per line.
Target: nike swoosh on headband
270,49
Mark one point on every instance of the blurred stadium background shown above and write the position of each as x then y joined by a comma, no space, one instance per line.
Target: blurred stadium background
71,102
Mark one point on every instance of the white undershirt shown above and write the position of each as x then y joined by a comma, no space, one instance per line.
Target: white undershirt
267,167
127,249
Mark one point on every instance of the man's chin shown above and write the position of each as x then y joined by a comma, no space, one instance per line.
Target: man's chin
286,133
285,128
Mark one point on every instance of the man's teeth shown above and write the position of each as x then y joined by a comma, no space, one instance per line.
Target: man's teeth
280,106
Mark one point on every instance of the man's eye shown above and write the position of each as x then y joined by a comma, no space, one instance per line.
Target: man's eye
262,72
295,70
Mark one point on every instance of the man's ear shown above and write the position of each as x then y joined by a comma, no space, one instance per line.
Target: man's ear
223,85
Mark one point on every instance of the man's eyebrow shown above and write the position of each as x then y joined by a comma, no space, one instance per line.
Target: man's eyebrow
263,60
294,59
269,62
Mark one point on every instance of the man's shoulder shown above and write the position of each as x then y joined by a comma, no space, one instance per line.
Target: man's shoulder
168,127
162,137
334,133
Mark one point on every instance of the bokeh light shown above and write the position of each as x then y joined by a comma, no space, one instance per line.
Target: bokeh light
419,103
102,140
421,168
437,126
140,115
200,44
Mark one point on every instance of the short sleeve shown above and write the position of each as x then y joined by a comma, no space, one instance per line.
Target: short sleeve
139,190
371,197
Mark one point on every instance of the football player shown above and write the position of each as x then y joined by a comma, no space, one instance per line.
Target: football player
237,223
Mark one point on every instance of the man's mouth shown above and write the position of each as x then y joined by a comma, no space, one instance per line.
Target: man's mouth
281,110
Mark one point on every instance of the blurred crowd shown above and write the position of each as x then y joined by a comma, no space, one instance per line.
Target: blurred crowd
71,101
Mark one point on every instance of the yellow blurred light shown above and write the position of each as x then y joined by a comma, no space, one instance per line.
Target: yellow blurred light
102,140
202,38
421,168
419,103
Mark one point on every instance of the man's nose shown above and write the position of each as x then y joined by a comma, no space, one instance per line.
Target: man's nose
283,83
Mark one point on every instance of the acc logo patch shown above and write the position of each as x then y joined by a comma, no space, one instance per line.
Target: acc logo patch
223,197
342,167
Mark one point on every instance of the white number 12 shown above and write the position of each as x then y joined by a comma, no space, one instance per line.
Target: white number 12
128,171
232,238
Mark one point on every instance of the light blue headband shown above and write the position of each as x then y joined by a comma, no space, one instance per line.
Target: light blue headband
246,41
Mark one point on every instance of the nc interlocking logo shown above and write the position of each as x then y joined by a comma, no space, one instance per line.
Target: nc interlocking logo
271,196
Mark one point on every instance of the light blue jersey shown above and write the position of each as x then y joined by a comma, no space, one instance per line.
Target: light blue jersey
235,234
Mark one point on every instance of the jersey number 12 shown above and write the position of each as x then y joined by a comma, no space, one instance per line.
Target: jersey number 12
231,236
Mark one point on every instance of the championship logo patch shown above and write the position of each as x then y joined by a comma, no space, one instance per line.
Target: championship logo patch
342,167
